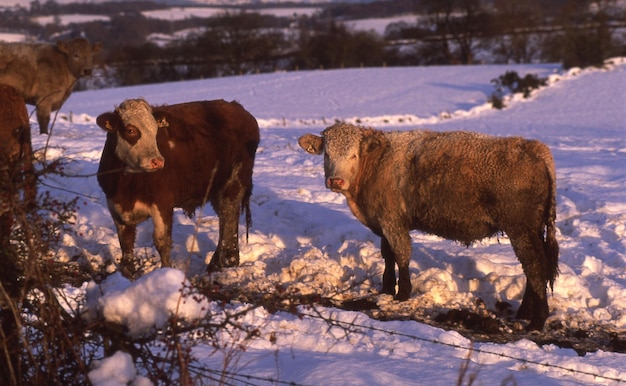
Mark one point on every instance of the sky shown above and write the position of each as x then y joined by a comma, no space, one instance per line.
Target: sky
26,3
304,238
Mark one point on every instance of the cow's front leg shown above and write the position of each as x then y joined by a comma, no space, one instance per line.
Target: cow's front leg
43,116
162,235
400,246
126,235
389,276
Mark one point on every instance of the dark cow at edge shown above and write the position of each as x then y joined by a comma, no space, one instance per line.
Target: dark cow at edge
45,74
16,156
183,155
457,185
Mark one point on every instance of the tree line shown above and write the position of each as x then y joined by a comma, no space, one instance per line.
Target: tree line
573,32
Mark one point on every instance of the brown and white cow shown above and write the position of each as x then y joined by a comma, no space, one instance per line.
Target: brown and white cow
17,175
457,185
183,155
45,74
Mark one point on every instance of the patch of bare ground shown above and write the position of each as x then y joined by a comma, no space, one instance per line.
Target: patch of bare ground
497,326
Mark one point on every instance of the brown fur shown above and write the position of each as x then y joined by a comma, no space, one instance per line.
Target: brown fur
458,185
207,145
16,159
45,74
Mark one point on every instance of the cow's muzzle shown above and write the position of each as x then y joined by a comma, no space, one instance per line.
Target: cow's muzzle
87,72
153,165
335,184
157,163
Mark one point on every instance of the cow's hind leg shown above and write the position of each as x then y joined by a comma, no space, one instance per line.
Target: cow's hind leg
389,276
227,252
228,209
529,250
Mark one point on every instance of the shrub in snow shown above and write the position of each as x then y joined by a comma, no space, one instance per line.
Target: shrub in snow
515,84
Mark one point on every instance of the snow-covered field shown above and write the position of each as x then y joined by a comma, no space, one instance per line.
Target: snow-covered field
305,239
177,13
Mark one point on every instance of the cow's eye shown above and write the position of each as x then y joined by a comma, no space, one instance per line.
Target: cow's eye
131,134
131,131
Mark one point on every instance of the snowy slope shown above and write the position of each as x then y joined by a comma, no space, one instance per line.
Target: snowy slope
304,237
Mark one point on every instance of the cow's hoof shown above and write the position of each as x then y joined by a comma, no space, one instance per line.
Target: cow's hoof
536,325
213,266
401,297
129,273
219,261
128,269
389,291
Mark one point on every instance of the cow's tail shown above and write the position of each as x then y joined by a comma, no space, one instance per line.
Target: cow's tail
245,208
551,246
251,147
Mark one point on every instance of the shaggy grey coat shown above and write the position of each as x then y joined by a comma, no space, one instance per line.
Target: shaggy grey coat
458,185
45,74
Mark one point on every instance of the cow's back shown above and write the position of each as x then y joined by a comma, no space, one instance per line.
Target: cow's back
475,183
457,185
217,120
18,66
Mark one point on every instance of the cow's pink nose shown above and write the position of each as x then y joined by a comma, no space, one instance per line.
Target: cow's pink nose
334,183
157,163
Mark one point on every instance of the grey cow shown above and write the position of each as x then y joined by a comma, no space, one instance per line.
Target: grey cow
45,74
458,185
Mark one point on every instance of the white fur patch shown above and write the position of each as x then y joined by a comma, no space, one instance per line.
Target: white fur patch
140,212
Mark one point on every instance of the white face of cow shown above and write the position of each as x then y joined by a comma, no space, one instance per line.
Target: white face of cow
340,145
79,55
136,131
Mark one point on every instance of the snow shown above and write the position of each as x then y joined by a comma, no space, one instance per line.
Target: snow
126,303
181,13
304,238
118,369
379,24
67,19
12,37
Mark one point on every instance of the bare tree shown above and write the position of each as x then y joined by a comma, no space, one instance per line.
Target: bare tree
245,44
585,34
458,23
517,30
440,18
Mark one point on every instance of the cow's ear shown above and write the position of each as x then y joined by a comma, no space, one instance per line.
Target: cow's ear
108,121
372,140
97,47
161,119
313,144
62,46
